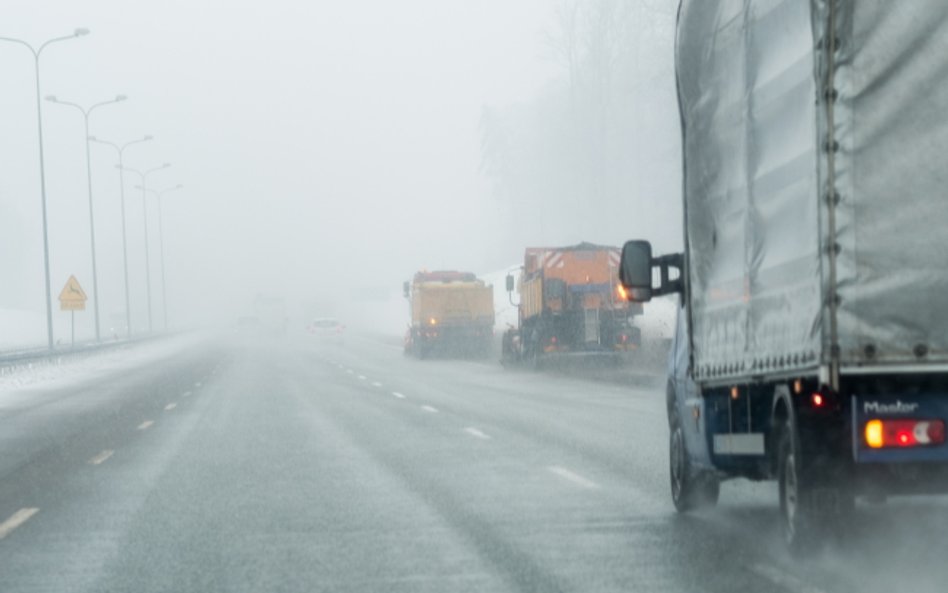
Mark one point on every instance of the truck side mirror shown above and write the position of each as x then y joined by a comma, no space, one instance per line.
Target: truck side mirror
635,270
510,282
407,289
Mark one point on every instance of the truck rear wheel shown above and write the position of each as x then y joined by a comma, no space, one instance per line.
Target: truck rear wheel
690,490
799,527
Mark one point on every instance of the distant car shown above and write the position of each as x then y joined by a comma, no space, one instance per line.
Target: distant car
327,328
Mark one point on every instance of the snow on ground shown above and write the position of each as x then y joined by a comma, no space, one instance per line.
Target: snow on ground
16,382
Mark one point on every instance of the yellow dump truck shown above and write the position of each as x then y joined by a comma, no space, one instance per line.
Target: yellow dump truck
451,313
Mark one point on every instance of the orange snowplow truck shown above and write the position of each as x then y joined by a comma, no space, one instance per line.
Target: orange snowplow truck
451,312
571,303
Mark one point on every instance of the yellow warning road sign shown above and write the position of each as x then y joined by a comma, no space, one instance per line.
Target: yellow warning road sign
72,297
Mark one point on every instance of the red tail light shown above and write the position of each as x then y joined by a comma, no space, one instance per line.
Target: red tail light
904,433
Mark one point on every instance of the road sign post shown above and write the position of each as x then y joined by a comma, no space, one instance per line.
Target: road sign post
72,299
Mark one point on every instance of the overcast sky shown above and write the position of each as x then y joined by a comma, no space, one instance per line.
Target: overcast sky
325,147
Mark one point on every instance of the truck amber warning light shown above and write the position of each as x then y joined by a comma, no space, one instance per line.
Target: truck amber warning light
904,433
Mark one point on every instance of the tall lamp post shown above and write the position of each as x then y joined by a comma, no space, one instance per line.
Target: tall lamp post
37,52
95,275
161,246
144,177
120,149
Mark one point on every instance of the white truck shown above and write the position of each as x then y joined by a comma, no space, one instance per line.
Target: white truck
812,342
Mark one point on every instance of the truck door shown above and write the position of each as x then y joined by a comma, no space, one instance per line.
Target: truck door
688,398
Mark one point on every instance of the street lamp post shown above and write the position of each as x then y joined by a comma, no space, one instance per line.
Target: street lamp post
95,275
121,156
161,247
144,184
37,52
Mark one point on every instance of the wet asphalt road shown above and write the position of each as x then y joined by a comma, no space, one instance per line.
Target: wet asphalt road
295,466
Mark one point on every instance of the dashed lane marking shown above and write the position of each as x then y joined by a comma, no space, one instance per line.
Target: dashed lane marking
783,579
476,433
573,477
361,377
16,519
170,407
398,395
349,371
431,409
186,394
376,384
101,457
198,384
145,425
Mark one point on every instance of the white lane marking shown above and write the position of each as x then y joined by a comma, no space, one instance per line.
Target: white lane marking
198,384
476,433
349,371
361,377
398,395
572,477
101,457
431,409
186,394
376,384
783,579
170,407
16,519
145,425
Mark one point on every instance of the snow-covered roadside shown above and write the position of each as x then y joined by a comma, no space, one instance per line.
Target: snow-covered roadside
57,372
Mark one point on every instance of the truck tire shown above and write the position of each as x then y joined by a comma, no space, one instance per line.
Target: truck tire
690,490
532,353
799,526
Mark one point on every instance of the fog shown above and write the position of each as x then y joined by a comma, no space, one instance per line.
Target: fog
327,150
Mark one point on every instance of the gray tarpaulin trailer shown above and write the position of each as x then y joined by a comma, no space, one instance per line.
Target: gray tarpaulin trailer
813,339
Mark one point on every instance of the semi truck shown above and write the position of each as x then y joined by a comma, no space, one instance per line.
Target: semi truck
812,338
451,313
570,304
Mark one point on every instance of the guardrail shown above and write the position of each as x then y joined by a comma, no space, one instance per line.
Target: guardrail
13,360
